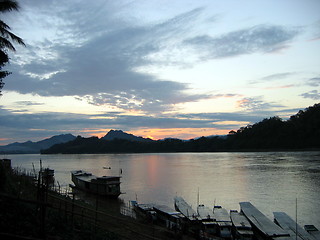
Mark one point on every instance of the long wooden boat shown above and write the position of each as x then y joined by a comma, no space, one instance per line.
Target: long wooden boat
265,228
288,224
241,227
172,218
313,231
144,210
223,222
208,226
182,206
108,186
205,213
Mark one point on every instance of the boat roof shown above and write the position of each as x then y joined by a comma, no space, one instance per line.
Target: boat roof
205,212
167,210
288,224
145,206
221,214
87,176
259,220
239,220
185,208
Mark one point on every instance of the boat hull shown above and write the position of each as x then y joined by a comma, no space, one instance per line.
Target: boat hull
104,186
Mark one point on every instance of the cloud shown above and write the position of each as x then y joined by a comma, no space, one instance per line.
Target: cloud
260,38
30,126
28,103
314,94
277,76
314,82
273,77
101,66
256,103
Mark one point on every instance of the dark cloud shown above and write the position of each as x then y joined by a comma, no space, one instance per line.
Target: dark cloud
314,94
28,103
101,66
261,38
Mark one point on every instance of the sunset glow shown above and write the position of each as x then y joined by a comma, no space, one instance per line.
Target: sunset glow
175,69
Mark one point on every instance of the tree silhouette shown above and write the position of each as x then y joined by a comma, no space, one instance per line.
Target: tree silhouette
7,37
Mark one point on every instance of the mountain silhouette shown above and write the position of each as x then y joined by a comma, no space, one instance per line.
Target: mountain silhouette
35,147
119,134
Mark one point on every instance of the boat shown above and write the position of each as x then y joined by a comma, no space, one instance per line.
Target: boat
208,226
182,206
313,231
222,221
107,186
263,227
144,210
173,219
205,213
241,227
288,224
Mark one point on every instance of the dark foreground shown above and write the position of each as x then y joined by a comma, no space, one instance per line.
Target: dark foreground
30,210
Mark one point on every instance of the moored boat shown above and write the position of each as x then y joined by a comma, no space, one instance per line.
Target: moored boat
144,210
108,186
292,227
182,206
222,221
241,227
171,218
313,231
263,227
208,226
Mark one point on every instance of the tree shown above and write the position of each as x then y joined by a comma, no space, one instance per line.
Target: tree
7,37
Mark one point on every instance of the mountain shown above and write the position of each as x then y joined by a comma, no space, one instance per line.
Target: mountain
118,134
35,147
300,132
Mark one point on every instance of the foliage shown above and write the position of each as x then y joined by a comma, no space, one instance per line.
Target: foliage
7,37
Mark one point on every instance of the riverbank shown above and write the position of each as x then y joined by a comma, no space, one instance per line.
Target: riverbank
30,209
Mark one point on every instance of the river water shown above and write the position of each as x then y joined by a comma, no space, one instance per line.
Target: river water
272,181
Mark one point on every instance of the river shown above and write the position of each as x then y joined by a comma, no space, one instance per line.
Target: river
272,181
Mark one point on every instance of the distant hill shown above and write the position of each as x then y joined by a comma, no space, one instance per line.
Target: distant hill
35,147
300,132
119,134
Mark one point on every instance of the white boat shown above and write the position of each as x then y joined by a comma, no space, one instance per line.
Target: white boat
313,231
182,206
208,226
263,227
172,219
223,222
205,213
241,227
108,186
144,210
291,226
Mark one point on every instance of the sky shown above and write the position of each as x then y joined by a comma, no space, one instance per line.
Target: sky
158,68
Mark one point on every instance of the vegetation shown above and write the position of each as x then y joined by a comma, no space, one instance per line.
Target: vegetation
301,131
7,37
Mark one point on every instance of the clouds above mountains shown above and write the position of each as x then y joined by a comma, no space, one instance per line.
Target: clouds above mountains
149,64
41,125
95,55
